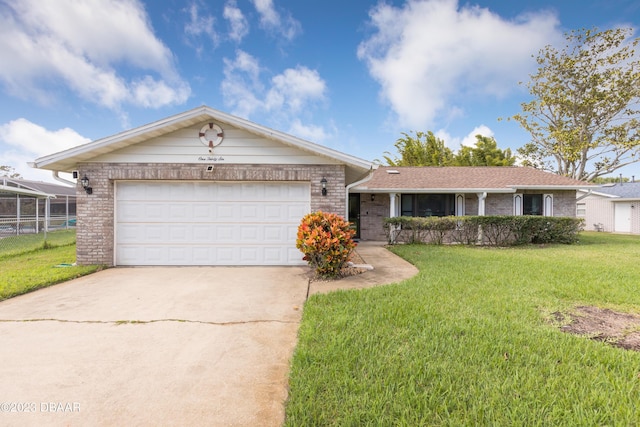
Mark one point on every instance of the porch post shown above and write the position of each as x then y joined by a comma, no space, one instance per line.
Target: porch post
393,211
481,203
482,197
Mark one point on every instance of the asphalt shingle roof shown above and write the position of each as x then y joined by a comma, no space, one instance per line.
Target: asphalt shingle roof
626,190
460,177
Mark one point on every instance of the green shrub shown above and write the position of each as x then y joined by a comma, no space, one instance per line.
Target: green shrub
326,240
502,230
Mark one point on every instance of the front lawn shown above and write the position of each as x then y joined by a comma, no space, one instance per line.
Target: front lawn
29,263
473,340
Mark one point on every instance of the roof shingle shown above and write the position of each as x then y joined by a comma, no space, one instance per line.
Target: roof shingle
461,177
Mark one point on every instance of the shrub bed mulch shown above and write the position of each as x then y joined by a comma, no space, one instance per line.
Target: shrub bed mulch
346,271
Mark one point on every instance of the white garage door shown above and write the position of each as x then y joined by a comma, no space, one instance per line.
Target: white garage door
209,223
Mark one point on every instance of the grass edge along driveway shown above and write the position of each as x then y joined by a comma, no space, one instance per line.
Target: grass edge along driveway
28,264
471,341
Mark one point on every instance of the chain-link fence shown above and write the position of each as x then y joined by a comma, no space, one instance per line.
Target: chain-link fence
18,234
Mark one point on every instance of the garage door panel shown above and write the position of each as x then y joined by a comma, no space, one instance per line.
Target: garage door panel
209,223
294,256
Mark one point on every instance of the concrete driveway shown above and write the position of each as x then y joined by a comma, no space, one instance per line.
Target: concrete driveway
152,346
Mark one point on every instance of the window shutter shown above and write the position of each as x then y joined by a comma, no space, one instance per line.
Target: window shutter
459,204
517,204
547,204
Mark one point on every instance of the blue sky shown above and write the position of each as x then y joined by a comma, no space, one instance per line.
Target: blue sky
350,75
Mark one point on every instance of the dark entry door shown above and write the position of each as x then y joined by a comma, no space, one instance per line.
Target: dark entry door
354,213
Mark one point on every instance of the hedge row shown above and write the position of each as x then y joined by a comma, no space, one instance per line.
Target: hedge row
485,230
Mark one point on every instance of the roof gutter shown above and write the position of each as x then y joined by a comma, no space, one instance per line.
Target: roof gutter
25,192
58,178
436,190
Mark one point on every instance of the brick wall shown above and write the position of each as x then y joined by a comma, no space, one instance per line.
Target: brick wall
373,212
95,212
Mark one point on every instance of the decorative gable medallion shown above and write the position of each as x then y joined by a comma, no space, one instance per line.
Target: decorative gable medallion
211,135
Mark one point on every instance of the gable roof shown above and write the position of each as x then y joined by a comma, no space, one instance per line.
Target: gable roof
448,179
34,188
68,159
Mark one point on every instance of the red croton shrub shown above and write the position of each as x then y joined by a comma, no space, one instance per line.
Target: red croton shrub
326,241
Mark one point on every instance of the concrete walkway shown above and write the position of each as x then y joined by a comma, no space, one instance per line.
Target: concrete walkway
387,268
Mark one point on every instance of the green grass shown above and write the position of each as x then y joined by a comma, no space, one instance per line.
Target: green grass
469,341
16,245
29,263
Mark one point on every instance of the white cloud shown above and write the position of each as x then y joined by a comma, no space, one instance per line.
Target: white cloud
295,88
430,54
26,141
238,25
36,140
283,100
290,92
44,46
241,84
199,25
309,132
272,21
469,140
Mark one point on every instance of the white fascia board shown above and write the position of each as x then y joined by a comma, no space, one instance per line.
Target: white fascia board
195,115
25,192
114,139
626,199
361,189
551,187
597,193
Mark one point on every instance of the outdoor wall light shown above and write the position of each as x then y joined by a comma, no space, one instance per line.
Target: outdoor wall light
373,197
85,184
323,182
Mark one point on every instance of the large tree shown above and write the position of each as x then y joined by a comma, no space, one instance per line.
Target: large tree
583,119
425,149
484,153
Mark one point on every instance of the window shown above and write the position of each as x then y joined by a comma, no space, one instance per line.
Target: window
427,205
581,209
532,204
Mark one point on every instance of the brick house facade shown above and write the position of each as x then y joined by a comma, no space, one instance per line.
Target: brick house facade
174,193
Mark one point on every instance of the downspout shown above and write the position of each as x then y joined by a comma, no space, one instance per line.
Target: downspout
584,195
350,186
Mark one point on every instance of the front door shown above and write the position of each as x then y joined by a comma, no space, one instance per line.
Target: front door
622,217
354,213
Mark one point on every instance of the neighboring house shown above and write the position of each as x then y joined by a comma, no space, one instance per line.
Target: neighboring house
443,191
207,188
33,205
611,208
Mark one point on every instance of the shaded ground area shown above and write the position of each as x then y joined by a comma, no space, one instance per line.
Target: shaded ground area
618,329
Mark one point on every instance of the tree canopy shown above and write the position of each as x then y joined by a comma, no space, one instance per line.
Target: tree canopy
583,119
485,153
425,149
9,172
